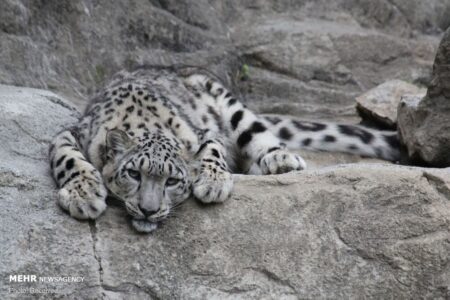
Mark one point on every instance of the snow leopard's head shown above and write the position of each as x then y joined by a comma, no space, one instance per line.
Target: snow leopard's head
148,175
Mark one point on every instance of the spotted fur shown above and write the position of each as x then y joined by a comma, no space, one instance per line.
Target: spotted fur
154,137
354,139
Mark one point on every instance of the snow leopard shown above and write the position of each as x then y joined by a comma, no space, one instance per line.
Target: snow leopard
154,137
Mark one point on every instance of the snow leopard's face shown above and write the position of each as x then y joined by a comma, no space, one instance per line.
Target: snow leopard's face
148,175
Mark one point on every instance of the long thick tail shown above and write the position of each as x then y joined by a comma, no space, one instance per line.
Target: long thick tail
354,139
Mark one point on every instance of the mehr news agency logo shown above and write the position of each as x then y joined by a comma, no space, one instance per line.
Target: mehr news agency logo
31,278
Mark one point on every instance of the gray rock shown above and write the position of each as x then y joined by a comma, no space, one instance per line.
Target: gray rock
348,231
309,57
315,67
36,237
380,103
407,112
424,125
401,17
72,47
317,160
269,92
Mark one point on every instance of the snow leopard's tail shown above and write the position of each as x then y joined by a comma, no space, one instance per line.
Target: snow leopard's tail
354,139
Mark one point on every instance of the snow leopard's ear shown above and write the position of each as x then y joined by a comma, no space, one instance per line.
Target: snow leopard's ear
118,141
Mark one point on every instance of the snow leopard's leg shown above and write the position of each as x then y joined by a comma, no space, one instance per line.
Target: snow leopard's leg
81,189
264,152
214,182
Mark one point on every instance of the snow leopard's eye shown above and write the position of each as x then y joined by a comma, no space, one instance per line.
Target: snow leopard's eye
172,181
136,175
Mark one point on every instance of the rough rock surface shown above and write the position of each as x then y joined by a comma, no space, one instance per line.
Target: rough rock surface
349,231
359,231
36,237
424,125
380,104
308,57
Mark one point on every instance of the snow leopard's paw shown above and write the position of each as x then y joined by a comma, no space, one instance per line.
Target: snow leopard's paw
281,161
213,185
83,198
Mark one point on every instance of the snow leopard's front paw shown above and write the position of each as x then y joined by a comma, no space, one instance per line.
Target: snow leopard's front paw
281,161
84,198
213,185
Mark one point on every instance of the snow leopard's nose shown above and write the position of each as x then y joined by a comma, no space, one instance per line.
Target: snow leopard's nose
148,212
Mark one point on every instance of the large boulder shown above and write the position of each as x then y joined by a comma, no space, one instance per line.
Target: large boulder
424,124
314,67
357,231
73,46
36,237
308,57
348,231
379,105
